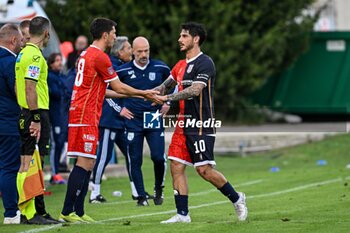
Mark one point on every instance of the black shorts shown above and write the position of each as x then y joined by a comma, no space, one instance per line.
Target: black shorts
28,142
201,149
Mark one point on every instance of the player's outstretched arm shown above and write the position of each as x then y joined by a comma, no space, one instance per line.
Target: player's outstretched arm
194,90
166,86
113,94
122,88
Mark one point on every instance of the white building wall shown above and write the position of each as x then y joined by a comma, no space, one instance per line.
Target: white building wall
335,15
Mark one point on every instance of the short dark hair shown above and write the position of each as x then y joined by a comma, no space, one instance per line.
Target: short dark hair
100,25
195,29
38,25
52,58
24,24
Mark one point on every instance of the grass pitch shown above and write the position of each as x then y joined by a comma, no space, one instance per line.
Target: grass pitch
301,197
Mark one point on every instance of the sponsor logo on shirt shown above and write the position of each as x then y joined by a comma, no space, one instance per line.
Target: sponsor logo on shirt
89,137
33,72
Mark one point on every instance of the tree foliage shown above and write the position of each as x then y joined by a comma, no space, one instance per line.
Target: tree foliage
249,40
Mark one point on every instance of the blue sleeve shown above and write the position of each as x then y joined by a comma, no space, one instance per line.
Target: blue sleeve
165,74
54,87
121,75
10,73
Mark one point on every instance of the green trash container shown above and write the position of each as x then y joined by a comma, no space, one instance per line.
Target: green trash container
317,83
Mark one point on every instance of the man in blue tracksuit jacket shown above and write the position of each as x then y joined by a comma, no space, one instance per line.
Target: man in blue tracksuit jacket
10,44
68,84
145,73
58,96
111,127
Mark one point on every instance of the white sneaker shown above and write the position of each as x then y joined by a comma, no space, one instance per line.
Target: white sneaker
13,220
241,207
178,218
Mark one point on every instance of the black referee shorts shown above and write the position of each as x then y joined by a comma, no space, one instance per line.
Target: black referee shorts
28,142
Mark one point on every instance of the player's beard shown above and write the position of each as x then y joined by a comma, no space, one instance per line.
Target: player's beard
109,45
186,48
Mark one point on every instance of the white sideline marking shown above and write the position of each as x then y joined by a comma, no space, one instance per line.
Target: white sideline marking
202,205
191,194
216,190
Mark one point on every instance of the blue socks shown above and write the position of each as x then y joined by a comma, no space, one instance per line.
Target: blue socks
75,187
79,203
181,202
229,192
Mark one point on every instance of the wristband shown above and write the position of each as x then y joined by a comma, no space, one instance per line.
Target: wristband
168,102
35,115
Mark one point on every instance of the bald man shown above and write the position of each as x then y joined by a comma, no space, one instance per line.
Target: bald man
145,73
11,41
81,43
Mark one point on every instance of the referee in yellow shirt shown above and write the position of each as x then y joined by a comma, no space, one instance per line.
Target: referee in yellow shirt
33,98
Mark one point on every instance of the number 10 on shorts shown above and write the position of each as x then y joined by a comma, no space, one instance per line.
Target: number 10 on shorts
199,146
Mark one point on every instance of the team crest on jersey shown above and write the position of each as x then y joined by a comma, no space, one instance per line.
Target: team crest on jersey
110,70
88,146
189,69
152,76
33,72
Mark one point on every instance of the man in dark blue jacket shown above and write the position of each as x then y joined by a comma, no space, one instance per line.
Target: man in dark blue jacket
145,73
58,96
68,82
11,41
111,127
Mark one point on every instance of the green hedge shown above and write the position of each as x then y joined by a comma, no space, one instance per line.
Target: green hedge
249,40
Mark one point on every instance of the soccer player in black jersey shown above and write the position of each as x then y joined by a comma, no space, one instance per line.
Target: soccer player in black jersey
193,140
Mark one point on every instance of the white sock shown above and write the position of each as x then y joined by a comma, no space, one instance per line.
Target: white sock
95,191
133,189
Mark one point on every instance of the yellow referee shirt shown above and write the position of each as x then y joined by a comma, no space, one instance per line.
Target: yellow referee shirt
31,65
